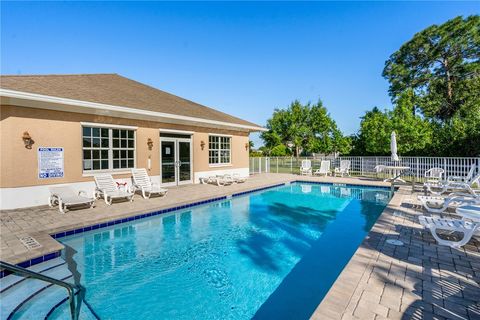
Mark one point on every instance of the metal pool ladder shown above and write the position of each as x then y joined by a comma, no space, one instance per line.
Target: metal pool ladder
31,274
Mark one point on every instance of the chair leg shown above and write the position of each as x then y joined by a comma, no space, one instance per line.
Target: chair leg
60,206
467,235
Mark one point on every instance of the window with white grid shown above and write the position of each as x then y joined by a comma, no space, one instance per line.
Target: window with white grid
107,149
219,149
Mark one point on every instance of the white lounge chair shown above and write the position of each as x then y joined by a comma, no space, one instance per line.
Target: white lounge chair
66,197
306,168
454,183
222,180
107,188
453,225
469,211
435,204
344,168
324,168
143,183
238,179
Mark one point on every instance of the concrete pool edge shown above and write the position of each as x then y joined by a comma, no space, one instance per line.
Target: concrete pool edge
341,297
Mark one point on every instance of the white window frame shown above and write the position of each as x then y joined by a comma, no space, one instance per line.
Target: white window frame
110,148
219,163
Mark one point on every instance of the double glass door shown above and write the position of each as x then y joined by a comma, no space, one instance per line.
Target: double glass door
176,161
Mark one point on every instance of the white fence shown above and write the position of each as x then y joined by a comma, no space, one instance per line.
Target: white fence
364,166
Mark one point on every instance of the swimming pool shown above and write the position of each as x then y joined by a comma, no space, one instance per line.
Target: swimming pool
268,254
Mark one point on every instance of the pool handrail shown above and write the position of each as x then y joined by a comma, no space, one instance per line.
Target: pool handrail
31,274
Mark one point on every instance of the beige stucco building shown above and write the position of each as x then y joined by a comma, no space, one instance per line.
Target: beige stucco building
64,129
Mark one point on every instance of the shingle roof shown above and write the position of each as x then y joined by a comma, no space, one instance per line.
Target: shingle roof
113,89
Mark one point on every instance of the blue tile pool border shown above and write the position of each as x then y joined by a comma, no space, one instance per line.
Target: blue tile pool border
31,262
59,235
348,185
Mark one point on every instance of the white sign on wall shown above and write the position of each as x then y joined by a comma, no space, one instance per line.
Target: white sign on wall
50,163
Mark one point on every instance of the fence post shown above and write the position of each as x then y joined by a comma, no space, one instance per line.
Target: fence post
260,165
418,170
361,169
291,165
277,164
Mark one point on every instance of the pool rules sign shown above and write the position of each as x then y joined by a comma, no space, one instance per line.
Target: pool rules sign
50,163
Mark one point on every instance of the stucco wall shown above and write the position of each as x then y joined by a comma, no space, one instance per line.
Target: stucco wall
19,167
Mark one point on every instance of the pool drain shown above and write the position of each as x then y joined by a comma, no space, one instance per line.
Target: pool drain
30,242
395,242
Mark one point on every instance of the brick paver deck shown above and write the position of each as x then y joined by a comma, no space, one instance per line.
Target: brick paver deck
419,280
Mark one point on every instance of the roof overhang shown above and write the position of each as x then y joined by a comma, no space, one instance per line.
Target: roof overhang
38,101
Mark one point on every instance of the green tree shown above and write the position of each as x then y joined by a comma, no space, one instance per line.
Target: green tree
279,151
375,129
414,134
441,66
308,128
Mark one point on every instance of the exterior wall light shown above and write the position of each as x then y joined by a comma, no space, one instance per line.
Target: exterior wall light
202,144
27,140
247,145
150,144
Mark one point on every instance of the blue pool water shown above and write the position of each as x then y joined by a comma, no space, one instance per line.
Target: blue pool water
270,254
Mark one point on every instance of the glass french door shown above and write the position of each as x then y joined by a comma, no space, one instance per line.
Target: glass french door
176,161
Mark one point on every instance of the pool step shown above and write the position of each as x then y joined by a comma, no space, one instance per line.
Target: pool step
28,298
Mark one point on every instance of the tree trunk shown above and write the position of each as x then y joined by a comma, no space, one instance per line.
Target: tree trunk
448,77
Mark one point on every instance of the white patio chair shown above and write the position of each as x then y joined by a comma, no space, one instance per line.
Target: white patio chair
324,168
435,204
434,175
379,169
344,168
454,225
107,188
142,182
66,197
306,168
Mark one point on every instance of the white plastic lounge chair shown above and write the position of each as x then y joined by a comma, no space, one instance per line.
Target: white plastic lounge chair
206,180
306,168
109,190
238,179
143,183
435,204
470,211
324,168
222,180
344,168
454,183
66,196
454,225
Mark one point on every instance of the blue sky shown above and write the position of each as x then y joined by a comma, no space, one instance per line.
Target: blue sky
241,58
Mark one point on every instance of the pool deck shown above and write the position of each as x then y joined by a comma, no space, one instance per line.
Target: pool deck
419,280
